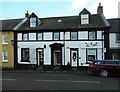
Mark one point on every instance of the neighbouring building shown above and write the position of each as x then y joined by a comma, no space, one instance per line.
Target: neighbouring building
59,41
114,38
7,43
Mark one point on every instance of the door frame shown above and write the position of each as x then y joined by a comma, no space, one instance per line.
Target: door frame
55,61
74,49
37,56
55,47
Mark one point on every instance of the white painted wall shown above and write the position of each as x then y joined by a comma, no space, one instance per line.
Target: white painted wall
81,45
32,47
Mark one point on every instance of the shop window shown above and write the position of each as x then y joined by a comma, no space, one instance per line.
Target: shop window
25,54
91,55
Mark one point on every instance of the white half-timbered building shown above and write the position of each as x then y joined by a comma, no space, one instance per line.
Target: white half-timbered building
59,41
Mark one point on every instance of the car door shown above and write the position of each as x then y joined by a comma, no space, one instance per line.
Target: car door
118,66
111,66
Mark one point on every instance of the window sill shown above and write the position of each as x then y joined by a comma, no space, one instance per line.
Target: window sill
117,41
4,61
5,43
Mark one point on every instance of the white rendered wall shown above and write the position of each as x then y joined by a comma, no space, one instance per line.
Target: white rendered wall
32,50
81,45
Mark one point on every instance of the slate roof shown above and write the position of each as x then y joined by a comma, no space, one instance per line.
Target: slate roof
84,11
115,25
97,21
8,25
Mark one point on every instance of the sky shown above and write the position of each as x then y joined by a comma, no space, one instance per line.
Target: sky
13,9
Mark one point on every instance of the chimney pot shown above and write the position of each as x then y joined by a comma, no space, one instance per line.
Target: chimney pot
100,9
26,14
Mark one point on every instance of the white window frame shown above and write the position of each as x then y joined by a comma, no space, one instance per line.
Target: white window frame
5,38
33,22
84,19
3,56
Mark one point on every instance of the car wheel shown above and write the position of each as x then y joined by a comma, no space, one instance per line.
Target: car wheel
104,73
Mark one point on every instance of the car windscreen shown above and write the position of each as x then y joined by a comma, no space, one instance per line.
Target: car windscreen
99,62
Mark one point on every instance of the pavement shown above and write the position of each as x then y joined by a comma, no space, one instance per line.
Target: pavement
74,70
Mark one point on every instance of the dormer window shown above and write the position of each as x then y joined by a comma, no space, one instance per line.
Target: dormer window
84,19
33,22
84,16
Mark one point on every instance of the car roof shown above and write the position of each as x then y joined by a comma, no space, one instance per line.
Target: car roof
106,60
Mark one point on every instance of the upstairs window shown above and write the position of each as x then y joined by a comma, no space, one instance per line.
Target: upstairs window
25,36
33,22
5,56
56,36
4,38
84,19
39,36
74,36
117,37
92,35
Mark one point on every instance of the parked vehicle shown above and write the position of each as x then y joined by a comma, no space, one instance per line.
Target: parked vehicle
105,67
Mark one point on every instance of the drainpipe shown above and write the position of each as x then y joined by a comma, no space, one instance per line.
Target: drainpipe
64,47
102,45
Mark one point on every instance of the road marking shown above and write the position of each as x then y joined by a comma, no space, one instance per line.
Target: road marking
8,79
68,81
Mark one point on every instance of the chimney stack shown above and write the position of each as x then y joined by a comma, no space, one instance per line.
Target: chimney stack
27,14
100,9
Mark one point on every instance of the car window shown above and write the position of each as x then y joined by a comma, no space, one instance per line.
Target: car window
100,62
110,62
118,62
